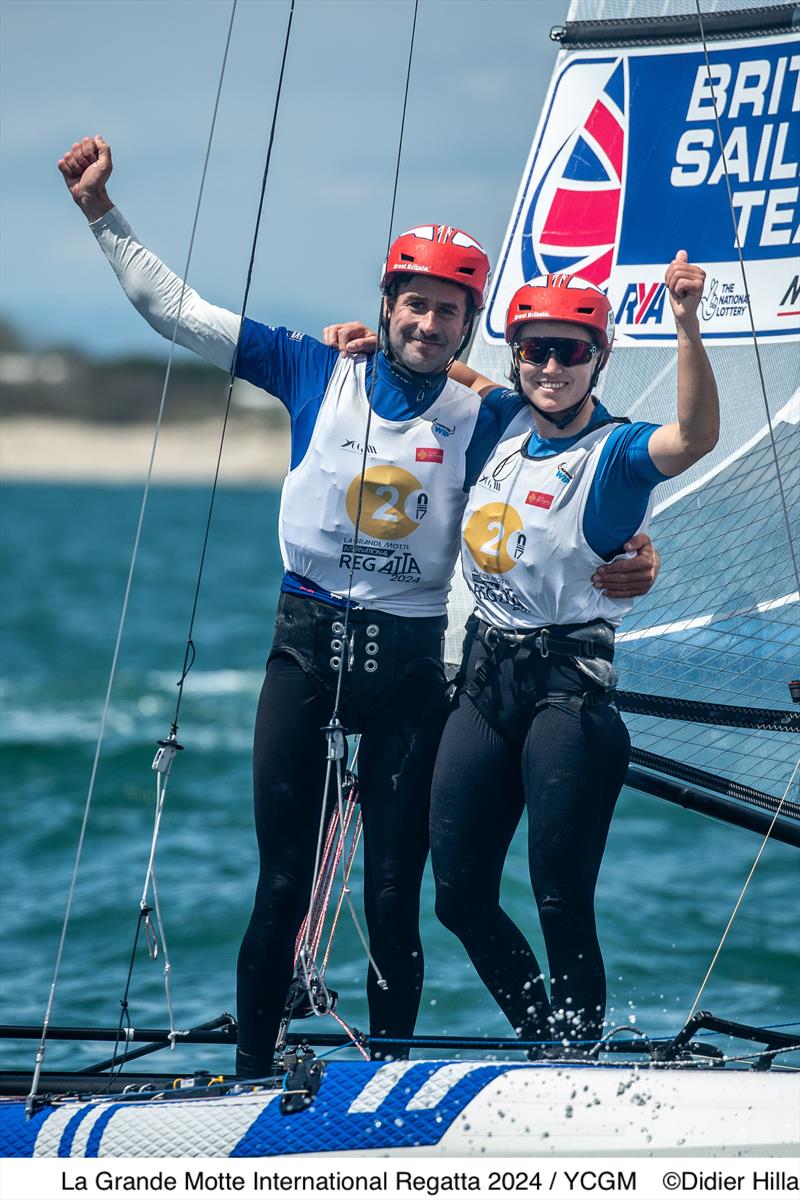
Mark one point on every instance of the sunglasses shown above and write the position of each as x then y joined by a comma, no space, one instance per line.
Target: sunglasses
569,352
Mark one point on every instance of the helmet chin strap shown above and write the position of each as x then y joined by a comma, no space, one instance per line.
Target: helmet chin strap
420,376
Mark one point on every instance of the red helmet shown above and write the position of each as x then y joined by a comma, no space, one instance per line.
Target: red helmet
442,251
563,298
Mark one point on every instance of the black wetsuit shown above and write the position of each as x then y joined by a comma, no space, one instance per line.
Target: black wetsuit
399,709
506,748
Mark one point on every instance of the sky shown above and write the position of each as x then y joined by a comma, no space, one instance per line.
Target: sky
144,73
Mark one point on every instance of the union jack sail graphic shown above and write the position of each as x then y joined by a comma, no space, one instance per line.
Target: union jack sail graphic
572,222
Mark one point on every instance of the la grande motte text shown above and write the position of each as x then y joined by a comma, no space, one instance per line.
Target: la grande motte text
397,1182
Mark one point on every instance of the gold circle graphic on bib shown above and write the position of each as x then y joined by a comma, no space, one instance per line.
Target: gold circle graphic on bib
383,511
489,534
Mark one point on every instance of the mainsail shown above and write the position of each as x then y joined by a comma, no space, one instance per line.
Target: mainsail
657,135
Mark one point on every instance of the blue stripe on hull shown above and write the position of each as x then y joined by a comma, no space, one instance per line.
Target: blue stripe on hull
394,1113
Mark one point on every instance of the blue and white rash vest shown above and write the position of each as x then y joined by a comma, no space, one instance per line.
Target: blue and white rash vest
427,441
546,512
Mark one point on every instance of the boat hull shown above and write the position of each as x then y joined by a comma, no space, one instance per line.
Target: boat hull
445,1108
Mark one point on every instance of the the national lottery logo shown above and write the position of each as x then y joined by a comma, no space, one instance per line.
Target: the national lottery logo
392,505
571,224
723,300
493,535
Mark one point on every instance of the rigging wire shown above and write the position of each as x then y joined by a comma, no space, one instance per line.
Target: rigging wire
741,897
168,746
751,319
126,597
334,731
189,654
370,398
756,349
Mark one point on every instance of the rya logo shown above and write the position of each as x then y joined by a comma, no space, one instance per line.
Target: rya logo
357,448
641,303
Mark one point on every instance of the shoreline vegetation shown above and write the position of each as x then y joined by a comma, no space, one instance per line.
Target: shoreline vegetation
65,416
62,449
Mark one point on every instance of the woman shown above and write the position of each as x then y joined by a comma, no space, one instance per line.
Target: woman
534,724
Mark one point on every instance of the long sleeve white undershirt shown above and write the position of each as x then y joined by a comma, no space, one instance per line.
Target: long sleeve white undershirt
155,292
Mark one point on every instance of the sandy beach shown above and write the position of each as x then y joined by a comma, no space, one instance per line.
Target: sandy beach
48,449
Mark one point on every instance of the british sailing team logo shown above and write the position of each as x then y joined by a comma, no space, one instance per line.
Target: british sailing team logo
571,224
494,537
393,504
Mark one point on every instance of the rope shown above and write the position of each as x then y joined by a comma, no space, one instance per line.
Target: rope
370,397
40,1055
751,319
756,349
741,897
310,933
189,654
716,783
335,732
703,713
170,744
158,934
349,866
352,1035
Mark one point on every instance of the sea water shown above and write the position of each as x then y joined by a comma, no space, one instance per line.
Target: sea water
669,882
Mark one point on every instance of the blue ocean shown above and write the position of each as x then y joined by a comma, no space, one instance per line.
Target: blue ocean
669,882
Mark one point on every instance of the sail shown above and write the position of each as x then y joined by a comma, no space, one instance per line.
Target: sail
624,169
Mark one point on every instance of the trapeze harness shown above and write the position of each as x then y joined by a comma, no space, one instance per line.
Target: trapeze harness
394,691
529,566
536,692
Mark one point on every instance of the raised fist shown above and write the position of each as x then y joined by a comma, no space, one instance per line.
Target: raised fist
86,168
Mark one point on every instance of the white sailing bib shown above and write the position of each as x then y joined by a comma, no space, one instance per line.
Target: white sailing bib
413,498
524,554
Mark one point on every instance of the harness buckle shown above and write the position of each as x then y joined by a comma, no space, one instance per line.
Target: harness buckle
540,642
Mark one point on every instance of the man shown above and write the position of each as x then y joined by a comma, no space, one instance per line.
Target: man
426,438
